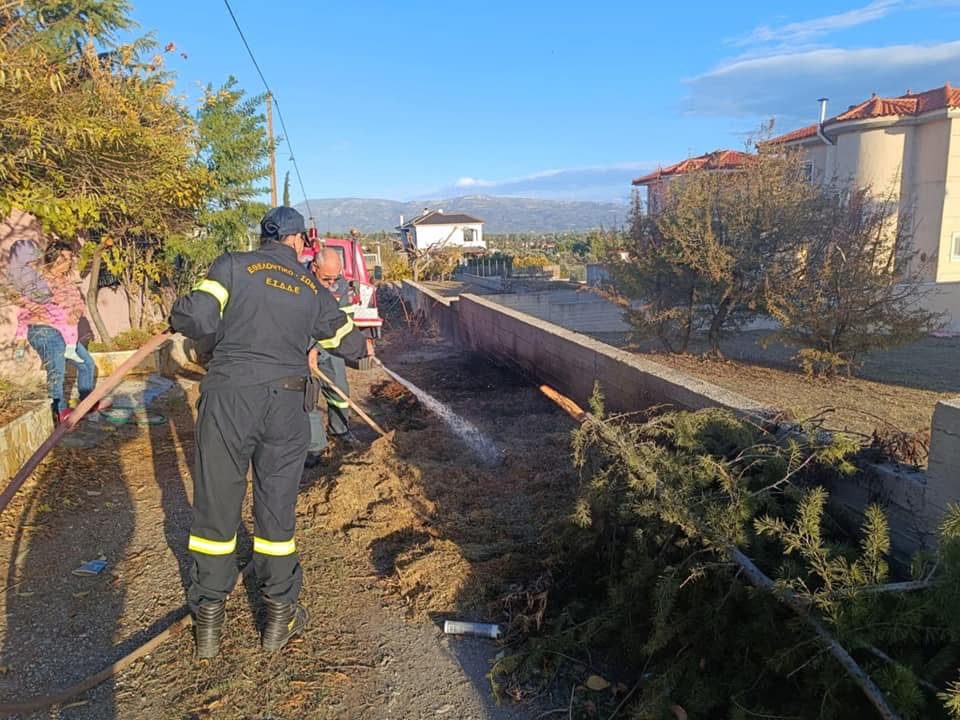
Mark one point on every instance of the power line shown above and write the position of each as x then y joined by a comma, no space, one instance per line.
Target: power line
273,98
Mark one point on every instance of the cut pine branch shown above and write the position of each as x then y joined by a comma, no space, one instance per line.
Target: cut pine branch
756,577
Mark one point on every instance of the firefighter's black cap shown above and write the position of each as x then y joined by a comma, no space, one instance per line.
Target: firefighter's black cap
280,222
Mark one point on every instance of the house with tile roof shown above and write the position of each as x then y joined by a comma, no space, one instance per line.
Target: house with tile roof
434,229
907,146
716,161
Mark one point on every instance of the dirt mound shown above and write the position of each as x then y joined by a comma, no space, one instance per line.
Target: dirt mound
388,390
452,533
377,501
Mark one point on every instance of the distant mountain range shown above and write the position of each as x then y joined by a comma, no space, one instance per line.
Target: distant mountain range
501,214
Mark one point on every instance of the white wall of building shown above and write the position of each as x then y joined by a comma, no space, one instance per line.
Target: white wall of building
428,236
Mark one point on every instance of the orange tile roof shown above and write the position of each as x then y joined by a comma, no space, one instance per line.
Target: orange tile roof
717,160
801,134
909,103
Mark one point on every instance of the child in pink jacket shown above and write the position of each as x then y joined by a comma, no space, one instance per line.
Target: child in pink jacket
59,305
59,319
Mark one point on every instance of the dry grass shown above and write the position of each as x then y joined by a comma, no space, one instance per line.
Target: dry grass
451,533
15,399
131,339
856,405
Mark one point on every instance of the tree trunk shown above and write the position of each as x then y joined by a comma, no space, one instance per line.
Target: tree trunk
717,322
143,305
93,291
131,305
688,324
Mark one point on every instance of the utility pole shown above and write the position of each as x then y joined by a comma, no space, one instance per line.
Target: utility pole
273,152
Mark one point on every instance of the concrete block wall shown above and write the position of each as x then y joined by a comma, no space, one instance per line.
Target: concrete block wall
490,283
580,311
572,362
439,311
943,465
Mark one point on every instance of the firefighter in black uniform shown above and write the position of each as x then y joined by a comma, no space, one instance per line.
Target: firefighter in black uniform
265,312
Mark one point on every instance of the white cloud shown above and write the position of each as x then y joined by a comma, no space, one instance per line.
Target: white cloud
469,182
597,182
807,30
788,84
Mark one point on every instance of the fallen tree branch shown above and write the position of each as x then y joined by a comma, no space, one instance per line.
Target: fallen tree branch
758,578
908,586
887,659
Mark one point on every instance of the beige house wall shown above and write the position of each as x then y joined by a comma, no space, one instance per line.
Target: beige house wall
872,158
926,176
822,165
948,267
918,161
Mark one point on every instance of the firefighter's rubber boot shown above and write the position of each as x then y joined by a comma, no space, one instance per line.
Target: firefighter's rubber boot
284,620
208,626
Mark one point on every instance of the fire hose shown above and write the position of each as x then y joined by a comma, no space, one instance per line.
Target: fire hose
77,415
182,622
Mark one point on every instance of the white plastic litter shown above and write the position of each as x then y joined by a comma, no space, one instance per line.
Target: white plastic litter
462,627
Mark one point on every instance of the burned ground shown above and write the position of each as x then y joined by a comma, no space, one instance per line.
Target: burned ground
394,537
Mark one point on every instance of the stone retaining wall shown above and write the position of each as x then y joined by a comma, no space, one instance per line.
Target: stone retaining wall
21,437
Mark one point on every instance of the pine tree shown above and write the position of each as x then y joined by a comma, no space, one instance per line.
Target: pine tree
703,260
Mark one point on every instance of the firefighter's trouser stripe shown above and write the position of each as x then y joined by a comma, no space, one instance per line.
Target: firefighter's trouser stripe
212,547
332,342
264,426
219,292
335,400
276,548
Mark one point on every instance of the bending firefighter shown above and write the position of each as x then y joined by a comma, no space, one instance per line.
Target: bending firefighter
265,313
328,270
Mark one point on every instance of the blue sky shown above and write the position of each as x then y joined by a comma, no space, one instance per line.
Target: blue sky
418,99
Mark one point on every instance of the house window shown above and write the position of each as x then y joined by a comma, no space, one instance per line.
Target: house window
955,247
469,236
808,171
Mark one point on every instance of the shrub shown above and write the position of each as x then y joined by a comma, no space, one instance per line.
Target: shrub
131,339
856,286
704,258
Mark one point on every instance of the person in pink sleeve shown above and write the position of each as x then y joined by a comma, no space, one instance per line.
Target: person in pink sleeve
58,319
50,309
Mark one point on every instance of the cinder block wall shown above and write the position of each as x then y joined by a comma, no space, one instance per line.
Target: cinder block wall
573,309
439,311
571,362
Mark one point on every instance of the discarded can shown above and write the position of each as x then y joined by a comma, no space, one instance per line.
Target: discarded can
461,627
